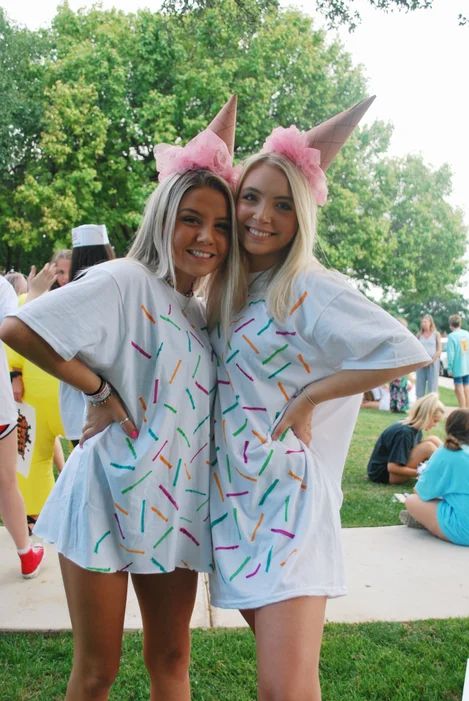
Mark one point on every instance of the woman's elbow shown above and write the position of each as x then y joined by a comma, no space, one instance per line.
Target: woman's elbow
11,332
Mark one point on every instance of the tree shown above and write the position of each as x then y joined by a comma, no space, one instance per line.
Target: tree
344,11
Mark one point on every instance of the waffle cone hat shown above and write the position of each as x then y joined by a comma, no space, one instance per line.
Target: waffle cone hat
329,136
224,124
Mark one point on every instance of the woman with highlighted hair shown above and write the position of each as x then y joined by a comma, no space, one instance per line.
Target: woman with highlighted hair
299,353
131,335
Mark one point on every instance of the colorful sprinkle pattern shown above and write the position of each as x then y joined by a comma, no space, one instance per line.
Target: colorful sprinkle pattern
274,506
142,505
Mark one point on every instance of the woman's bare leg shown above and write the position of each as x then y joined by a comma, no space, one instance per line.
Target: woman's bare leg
166,603
96,602
425,513
11,502
288,642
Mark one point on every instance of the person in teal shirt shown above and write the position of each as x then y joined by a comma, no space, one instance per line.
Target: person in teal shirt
441,502
458,360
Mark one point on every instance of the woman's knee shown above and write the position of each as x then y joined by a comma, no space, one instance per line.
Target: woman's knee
95,680
171,661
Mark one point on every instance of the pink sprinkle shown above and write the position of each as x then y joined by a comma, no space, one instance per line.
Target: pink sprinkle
168,495
224,382
199,451
227,547
197,339
243,325
282,532
155,392
253,574
119,526
202,388
189,535
244,373
169,310
237,494
153,459
294,451
245,457
140,350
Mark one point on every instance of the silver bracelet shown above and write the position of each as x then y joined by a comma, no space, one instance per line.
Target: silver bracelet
303,391
101,396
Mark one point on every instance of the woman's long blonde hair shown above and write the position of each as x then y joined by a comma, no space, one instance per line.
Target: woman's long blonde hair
153,244
433,328
299,254
423,410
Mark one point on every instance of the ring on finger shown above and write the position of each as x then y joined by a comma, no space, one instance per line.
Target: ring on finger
126,418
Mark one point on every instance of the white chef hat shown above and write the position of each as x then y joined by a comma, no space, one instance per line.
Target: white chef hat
89,235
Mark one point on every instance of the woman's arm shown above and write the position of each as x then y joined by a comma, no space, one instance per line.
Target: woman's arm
74,372
402,470
438,346
341,384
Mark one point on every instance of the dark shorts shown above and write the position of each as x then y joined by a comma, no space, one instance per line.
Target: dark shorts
6,429
463,380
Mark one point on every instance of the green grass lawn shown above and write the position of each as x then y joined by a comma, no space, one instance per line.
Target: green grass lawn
417,661
420,661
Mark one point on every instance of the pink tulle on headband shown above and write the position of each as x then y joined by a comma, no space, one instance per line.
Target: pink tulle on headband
293,144
206,151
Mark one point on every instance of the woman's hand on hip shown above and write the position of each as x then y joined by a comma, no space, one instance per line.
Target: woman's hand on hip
100,417
298,417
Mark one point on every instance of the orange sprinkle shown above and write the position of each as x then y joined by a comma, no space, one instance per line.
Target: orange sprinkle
259,437
293,552
166,462
143,403
295,477
261,518
250,343
147,313
130,550
217,480
188,474
298,303
158,513
223,424
283,391
178,365
303,486
304,363
246,477
118,506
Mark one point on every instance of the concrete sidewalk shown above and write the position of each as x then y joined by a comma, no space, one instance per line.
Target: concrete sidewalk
394,574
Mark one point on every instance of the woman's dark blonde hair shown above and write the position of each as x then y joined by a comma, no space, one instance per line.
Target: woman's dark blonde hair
457,429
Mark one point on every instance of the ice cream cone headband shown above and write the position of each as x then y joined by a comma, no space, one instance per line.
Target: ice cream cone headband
314,150
211,150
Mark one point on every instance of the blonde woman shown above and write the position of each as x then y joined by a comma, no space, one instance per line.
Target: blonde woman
427,377
298,355
401,447
134,498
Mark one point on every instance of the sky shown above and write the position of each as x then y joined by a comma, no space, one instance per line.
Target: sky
416,63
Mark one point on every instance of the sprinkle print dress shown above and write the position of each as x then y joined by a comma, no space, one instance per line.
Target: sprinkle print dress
140,506
274,507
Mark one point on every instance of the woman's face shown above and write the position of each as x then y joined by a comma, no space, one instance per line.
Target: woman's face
434,420
425,324
201,236
266,216
63,271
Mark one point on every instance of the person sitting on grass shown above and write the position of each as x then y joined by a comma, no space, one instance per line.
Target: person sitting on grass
441,502
400,449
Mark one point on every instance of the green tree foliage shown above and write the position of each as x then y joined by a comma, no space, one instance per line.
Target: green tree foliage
345,11
89,99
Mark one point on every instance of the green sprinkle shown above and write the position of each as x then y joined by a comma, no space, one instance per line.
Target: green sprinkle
190,398
218,520
153,434
131,448
166,318
279,350
266,462
127,489
165,535
277,372
158,564
241,567
241,428
171,408
269,559
196,367
176,476
181,433
232,356
122,467
267,491
101,540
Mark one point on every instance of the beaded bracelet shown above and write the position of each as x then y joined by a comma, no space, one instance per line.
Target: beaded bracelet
303,391
101,396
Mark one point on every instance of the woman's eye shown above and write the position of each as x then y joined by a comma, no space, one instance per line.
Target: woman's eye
248,196
190,220
225,228
284,206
